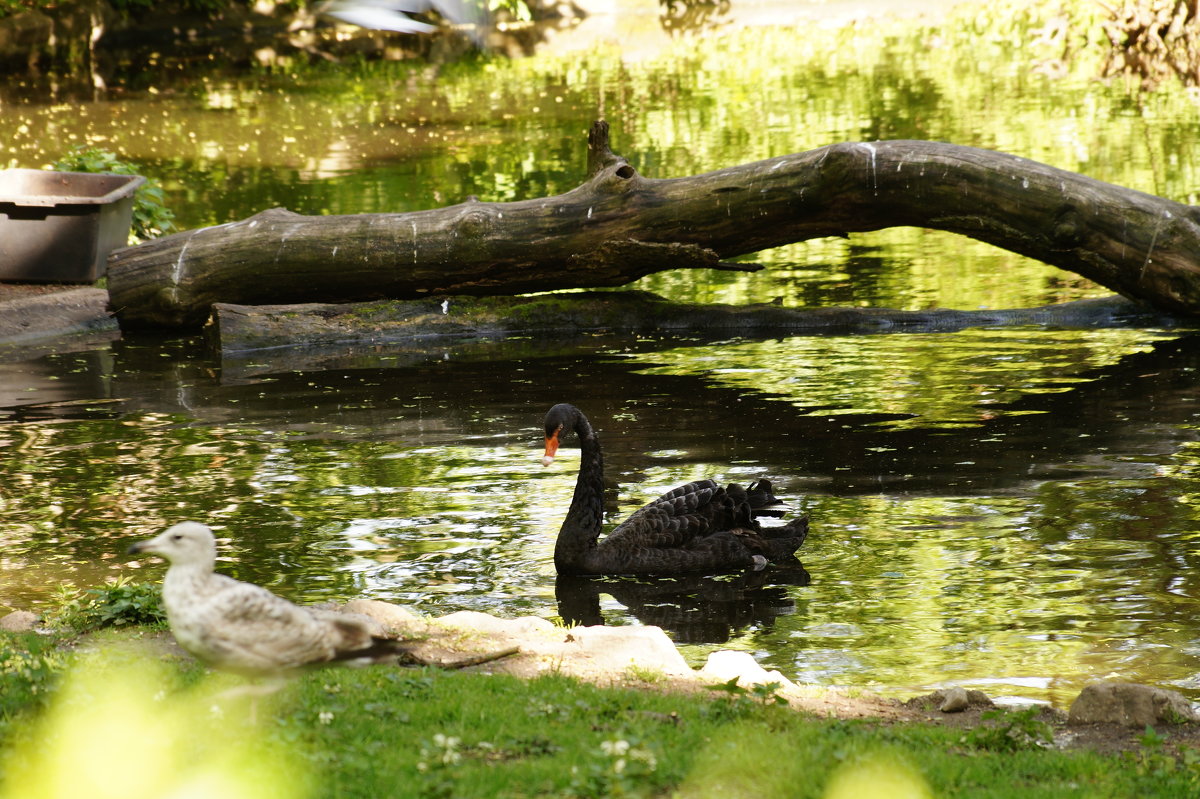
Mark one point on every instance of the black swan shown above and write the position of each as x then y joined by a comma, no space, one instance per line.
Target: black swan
698,527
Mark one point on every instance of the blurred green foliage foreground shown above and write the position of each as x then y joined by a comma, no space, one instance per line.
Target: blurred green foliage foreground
113,713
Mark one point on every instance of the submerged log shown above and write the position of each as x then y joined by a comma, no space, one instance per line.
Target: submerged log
619,226
238,329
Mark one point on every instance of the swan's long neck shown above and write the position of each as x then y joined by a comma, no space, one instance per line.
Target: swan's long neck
581,528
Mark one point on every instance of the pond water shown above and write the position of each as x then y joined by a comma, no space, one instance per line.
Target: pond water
1013,509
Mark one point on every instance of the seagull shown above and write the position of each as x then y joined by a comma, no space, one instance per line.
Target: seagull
392,15
244,628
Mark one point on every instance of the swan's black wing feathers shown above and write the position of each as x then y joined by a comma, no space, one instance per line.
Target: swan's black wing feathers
699,526
679,516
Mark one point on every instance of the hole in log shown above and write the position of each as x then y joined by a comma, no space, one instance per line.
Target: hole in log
626,171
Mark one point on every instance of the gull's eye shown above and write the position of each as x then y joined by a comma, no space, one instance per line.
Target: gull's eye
177,537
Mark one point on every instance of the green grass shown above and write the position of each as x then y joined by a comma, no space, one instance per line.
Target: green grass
718,747
30,668
402,732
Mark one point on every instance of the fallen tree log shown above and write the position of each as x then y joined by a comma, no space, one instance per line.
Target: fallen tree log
619,226
238,329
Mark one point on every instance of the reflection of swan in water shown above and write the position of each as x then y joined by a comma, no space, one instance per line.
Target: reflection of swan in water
698,527
693,609
393,15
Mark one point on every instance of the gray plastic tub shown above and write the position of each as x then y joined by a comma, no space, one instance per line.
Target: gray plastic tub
59,227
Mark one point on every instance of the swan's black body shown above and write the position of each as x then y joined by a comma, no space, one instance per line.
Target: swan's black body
698,527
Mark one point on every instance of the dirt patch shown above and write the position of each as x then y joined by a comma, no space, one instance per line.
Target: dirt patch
38,311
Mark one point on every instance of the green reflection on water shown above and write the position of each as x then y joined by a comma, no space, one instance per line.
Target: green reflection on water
1031,590
945,547
931,380
926,591
385,136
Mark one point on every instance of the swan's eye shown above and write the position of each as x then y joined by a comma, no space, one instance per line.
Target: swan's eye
177,537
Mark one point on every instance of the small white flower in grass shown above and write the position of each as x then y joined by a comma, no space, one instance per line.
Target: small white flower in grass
216,711
615,748
325,717
448,744
446,741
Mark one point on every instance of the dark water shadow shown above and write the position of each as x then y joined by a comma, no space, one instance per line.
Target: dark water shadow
1142,403
693,609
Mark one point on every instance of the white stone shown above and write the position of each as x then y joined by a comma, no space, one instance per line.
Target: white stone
19,621
395,619
1130,704
955,700
484,623
726,664
622,647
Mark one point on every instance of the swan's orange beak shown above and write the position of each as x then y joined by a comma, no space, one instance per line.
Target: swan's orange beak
551,448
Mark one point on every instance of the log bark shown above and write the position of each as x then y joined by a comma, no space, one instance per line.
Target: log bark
237,329
619,226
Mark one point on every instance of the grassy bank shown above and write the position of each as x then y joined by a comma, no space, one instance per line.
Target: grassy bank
115,716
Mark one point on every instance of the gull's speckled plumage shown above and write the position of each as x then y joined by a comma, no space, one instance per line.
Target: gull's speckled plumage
244,628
